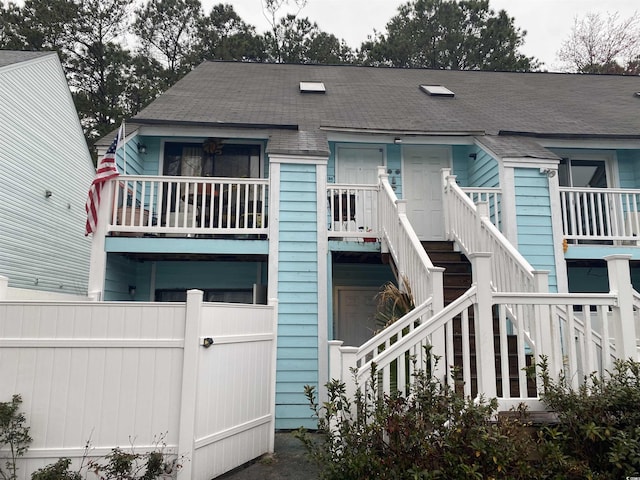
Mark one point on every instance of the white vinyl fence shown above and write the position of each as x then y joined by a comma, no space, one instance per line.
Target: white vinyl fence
117,374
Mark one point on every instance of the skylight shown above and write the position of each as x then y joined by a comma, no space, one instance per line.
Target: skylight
437,91
312,87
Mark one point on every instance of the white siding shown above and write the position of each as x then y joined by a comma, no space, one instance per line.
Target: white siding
42,242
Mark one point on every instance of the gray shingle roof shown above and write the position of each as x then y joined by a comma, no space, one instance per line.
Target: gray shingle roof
9,57
515,147
313,143
390,100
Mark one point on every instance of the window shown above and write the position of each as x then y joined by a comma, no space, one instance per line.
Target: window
582,173
312,87
437,91
228,160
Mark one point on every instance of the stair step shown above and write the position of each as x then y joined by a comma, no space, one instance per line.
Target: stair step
455,268
439,257
457,280
437,245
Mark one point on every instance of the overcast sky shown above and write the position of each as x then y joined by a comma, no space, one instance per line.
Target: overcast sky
547,22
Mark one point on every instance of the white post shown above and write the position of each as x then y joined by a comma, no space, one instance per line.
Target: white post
98,262
401,206
448,213
348,363
437,275
548,329
482,213
485,349
382,174
335,360
624,329
4,287
274,367
187,433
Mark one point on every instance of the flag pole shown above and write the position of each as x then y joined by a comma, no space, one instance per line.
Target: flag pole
124,146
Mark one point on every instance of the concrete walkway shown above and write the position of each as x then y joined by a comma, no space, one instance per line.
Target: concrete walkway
290,461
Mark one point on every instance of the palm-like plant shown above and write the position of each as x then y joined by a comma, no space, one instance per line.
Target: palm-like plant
393,303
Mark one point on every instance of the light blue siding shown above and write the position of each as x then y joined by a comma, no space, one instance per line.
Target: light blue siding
629,168
460,163
297,295
483,170
120,273
533,210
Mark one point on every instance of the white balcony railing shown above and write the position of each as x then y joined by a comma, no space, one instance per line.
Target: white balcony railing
493,199
603,214
352,211
188,206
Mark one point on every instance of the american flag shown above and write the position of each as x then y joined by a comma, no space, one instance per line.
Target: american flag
106,170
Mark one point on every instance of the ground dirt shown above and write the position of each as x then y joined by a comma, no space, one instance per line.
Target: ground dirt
289,461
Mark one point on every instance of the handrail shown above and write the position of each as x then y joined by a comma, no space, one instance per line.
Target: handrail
405,248
393,332
439,320
471,228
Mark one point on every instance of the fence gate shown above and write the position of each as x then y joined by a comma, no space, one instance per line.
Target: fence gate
199,378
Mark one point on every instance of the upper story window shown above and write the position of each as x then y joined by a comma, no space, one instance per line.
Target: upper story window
198,160
582,173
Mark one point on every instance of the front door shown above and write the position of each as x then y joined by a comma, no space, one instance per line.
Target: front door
423,188
355,315
358,165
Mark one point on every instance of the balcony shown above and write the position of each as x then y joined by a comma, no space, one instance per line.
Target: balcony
189,206
600,215
352,212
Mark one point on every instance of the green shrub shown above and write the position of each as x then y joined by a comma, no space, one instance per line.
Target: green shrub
57,471
598,428
117,465
436,433
14,437
432,433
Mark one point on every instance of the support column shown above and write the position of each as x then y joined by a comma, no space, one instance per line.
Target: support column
624,329
189,391
483,322
98,263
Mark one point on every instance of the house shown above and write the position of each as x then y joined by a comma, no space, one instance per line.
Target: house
316,185
45,171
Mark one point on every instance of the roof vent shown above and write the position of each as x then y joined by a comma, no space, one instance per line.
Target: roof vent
437,91
312,87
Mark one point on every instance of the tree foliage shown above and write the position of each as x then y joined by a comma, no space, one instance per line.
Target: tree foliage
603,45
458,35
299,40
223,35
168,31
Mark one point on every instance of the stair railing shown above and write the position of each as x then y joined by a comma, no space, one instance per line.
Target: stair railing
394,350
470,226
565,328
403,245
